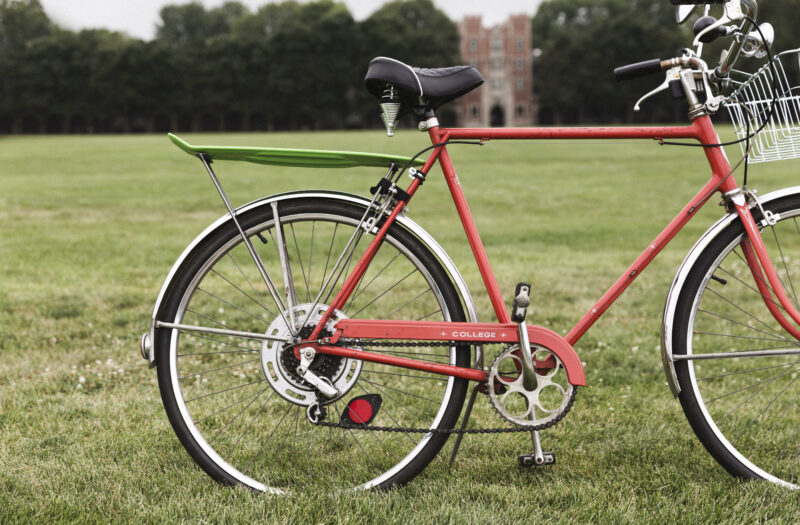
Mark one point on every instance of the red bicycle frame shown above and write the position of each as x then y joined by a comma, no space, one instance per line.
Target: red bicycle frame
701,130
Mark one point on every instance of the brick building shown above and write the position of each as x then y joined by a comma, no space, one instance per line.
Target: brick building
503,56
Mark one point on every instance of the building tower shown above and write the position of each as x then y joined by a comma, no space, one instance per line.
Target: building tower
504,57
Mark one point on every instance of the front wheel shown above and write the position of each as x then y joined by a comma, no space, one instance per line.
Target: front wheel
744,409
239,406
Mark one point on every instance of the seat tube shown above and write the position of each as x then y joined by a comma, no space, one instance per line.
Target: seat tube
473,237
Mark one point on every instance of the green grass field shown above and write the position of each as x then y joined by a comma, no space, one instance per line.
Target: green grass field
89,227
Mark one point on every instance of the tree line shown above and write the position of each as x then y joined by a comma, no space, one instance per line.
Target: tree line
288,65
294,65
582,41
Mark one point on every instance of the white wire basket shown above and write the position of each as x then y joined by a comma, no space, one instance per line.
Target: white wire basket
780,138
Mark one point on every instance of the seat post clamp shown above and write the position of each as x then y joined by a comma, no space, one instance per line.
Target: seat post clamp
428,123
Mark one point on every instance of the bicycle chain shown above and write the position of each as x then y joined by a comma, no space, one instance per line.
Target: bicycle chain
412,430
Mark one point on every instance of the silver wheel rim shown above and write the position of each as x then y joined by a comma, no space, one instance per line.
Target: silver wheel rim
199,437
691,364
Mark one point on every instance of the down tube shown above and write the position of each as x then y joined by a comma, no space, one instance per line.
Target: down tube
642,261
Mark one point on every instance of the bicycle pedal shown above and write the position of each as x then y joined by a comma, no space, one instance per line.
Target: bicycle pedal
519,308
529,460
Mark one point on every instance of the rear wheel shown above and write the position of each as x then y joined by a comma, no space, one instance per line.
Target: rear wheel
743,409
239,406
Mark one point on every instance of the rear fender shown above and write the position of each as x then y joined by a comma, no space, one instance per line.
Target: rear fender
148,343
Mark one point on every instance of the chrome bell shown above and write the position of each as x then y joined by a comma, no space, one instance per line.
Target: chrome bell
755,46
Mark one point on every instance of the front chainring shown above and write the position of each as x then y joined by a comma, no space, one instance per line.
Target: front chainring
536,409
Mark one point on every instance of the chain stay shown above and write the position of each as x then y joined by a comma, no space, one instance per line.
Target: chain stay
411,430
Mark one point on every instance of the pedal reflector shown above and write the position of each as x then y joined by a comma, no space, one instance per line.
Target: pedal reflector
361,410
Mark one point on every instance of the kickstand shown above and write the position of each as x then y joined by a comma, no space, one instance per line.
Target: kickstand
464,422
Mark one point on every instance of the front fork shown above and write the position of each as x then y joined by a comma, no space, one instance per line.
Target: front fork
758,259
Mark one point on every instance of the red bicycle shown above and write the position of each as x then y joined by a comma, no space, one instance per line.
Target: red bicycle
320,338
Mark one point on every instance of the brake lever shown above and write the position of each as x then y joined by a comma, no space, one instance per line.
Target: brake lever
733,13
672,74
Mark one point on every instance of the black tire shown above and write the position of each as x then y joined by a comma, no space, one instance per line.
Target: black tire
742,409
212,398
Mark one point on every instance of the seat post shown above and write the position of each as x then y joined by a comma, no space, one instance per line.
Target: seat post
428,120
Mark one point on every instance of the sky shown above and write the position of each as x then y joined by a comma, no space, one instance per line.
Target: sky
139,17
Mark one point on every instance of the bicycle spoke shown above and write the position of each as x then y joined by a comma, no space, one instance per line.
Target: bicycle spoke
328,260
218,432
253,419
780,417
207,318
286,268
738,336
268,440
755,290
358,292
381,388
348,251
198,374
389,415
426,316
253,299
281,442
743,430
310,259
358,443
242,349
391,314
198,421
785,267
345,272
754,385
224,390
231,305
384,293
740,309
748,371
250,284
791,439
742,324
300,259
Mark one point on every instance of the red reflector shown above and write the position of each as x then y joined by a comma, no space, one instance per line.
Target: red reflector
360,411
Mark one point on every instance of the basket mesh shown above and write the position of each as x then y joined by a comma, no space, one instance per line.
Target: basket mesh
780,138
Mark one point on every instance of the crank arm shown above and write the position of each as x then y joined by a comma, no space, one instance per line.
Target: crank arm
519,313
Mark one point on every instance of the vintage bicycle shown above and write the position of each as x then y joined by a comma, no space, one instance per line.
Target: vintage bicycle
316,338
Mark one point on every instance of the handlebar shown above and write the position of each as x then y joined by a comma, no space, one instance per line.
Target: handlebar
749,11
640,69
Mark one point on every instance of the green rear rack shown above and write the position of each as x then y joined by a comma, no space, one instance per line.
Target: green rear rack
298,158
